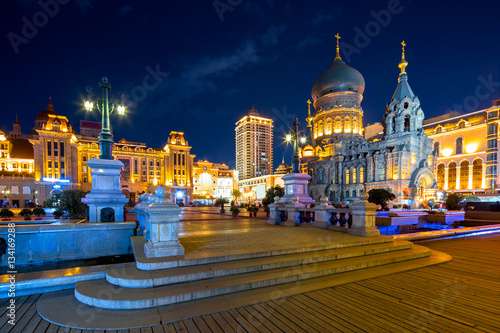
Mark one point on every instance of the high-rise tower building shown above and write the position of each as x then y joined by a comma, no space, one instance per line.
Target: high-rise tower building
254,145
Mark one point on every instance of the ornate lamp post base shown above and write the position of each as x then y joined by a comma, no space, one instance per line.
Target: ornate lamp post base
105,201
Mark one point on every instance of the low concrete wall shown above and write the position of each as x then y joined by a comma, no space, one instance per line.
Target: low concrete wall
445,217
400,218
55,242
494,216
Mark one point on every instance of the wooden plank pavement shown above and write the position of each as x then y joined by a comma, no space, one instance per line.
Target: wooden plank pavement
459,296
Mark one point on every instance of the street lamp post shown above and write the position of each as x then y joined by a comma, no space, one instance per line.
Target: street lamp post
6,195
106,107
35,192
294,135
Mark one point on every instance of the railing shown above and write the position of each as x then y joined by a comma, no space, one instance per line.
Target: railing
340,217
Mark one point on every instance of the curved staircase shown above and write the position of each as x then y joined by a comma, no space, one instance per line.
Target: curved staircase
174,280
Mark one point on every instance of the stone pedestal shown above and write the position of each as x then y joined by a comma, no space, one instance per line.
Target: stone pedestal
162,238
296,185
105,191
274,217
363,219
321,215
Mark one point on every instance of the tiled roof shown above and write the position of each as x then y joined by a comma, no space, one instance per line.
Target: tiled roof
21,148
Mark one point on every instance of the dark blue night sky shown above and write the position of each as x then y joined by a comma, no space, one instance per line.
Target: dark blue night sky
211,60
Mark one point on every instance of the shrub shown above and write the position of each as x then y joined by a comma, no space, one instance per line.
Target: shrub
58,213
5,213
38,211
26,213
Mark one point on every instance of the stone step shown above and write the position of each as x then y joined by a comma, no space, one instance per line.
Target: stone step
131,277
102,294
150,264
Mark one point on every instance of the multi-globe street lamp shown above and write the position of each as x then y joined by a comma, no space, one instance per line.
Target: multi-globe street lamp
293,135
106,106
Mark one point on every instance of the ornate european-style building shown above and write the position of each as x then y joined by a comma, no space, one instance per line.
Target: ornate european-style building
343,162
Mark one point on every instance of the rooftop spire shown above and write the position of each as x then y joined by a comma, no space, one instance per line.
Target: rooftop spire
309,118
403,62
337,57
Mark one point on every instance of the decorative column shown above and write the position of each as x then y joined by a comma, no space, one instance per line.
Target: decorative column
321,215
470,176
457,185
162,238
445,187
483,176
363,218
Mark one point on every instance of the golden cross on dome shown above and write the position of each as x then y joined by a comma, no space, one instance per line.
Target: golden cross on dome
338,49
403,62
309,118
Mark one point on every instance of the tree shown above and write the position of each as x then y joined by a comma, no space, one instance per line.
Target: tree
69,201
220,201
6,213
453,201
26,213
236,194
272,192
380,197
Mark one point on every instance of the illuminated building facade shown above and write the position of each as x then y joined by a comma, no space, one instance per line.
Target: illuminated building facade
466,147
343,162
254,145
52,158
212,180
16,169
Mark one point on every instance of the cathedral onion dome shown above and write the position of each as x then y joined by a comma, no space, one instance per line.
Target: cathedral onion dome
338,77
44,114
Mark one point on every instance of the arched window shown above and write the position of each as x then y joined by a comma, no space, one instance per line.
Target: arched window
436,148
338,125
362,175
84,158
407,123
459,146
464,175
461,124
315,131
320,128
347,176
355,125
347,125
354,180
394,125
321,175
440,176
477,173
439,129
328,129
406,105
452,175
